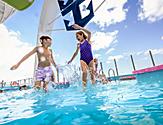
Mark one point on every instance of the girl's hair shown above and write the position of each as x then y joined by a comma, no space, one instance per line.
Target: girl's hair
81,33
44,37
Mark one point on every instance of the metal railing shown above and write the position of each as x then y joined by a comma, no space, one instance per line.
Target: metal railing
109,73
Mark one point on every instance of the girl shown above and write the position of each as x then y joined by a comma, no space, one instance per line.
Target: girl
86,56
44,71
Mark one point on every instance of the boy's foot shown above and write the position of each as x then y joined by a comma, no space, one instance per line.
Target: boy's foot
84,83
45,89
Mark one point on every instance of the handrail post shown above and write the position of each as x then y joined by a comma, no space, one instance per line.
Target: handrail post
101,67
109,73
133,64
151,57
115,63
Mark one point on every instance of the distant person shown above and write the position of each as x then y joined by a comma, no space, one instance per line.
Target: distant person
1,91
11,83
96,66
86,56
24,87
102,78
45,59
14,83
2,83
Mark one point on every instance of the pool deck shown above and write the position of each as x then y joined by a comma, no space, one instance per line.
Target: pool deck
140,74
148,70
123,77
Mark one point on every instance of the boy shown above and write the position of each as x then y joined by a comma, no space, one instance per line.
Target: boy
45,59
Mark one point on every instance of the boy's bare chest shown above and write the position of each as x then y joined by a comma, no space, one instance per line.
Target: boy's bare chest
44,52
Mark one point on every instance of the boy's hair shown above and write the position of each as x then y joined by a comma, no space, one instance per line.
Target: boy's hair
44,37
81,33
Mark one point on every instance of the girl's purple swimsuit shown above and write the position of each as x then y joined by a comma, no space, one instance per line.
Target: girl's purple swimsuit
86,52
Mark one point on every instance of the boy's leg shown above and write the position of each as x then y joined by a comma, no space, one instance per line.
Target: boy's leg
84,68
45,86
53,77
37,84
92,71
49,76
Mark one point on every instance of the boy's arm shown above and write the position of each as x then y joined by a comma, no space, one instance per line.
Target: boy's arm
24,58
76,26
52,61
74,55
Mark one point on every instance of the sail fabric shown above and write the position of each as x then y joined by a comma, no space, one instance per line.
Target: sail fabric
74,7
5,11
71,11
50,11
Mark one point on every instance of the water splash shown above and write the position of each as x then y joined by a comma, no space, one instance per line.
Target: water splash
70,73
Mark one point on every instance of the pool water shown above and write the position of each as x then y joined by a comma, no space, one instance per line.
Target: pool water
117,103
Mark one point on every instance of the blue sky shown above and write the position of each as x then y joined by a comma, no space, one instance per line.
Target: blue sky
119,28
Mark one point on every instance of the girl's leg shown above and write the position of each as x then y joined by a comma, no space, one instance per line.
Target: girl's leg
84,68
92,71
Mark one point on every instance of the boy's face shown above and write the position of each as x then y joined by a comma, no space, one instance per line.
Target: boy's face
47,42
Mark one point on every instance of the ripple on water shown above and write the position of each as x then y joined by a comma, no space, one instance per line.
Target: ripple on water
114,104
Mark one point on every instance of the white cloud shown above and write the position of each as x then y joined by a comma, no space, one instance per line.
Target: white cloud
126,26
110,50
139,53
154,52
111,12
161,37
152,10
145,52
97,55
111,58
102,40
12,49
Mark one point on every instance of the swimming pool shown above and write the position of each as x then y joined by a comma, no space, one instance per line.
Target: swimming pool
121,103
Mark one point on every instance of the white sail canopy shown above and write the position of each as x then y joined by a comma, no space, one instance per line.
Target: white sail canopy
49,12
5,11
71,11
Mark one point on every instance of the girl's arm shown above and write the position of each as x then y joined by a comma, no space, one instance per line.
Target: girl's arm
24,58
76,26
74,55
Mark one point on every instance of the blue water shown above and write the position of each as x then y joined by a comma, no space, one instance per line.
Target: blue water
117,103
